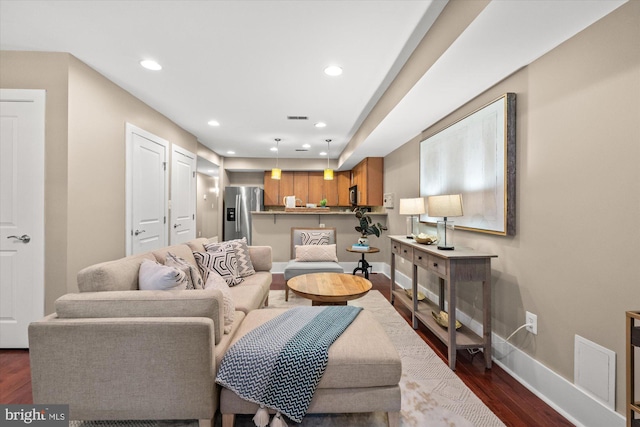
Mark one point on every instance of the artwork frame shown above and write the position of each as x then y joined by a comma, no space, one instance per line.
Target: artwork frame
475,156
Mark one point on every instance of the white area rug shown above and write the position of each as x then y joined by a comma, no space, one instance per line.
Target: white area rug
432,395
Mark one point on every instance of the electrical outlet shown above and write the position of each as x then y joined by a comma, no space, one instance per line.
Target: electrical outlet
532,319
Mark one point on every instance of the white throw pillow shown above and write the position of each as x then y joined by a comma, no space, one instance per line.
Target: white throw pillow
154,276
215,281
316,253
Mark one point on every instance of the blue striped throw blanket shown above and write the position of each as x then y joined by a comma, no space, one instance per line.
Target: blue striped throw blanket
279,364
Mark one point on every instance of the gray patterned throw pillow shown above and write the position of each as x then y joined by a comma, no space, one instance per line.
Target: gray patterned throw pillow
314,237
245,266
222,262
192,273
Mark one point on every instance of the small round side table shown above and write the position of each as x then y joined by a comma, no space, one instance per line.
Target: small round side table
363,265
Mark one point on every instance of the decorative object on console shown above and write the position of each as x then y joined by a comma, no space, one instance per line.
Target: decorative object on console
425,239
328,172
447,205
442,319
411,207
409,293
276,173
366,227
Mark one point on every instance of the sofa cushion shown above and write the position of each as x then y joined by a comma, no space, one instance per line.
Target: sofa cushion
243,258
253,292
363,356
222,262
316,253
115,304
119,275
296,268
215,281
153,276
261,257
191,271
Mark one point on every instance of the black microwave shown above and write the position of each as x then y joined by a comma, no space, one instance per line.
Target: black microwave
353,195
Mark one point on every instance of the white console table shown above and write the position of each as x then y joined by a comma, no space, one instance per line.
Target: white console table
451,266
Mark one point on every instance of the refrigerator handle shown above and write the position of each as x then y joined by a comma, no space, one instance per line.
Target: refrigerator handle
238,213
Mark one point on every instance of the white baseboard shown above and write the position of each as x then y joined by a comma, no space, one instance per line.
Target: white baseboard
563,396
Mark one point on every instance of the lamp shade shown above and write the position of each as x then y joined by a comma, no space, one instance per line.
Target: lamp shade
276,173
447,205
412,206
328,174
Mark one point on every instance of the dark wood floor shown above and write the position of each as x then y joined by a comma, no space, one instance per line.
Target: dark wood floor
507,398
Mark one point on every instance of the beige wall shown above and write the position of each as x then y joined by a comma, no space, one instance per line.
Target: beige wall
24,70
98,113
84,160
573,261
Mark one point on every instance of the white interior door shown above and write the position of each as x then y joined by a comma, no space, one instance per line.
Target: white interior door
183,195
21,213
146,191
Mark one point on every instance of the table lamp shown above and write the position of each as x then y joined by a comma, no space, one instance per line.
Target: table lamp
447,205
411,207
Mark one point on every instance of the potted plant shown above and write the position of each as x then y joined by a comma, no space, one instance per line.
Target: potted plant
323,203
366,226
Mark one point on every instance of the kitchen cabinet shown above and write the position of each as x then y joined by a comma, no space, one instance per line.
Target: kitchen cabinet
367,175
310,187
275,190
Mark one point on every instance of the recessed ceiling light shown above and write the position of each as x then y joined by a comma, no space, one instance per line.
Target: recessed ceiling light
333,70
320,125
306,146
150,64
231,152
274,148
213,123
322,153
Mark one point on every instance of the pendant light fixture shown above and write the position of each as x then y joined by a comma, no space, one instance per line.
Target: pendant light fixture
328,172
276,173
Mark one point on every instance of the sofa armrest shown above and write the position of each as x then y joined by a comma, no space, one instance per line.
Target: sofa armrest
261,257
125,368
206,303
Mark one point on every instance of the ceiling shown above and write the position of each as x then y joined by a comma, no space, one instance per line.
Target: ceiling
251,64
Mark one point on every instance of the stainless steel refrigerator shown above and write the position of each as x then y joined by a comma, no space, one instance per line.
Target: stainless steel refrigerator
238,204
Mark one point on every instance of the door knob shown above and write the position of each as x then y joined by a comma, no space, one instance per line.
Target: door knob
24,238
135,233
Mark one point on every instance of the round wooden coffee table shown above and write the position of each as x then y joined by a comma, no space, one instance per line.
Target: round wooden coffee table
329,288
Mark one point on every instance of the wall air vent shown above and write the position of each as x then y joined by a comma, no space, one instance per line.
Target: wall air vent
297,118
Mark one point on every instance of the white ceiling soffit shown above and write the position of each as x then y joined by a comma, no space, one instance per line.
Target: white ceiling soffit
246,64
506,36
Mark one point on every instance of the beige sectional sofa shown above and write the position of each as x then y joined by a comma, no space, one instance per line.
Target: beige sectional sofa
114,352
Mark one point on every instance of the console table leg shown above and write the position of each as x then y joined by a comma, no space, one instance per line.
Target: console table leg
451,294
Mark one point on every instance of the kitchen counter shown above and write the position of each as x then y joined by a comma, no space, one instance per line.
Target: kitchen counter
313,213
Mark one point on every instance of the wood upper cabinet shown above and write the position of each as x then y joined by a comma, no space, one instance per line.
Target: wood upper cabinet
317,188
310,187
275,190
301,187
367,175
343,182
271,190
